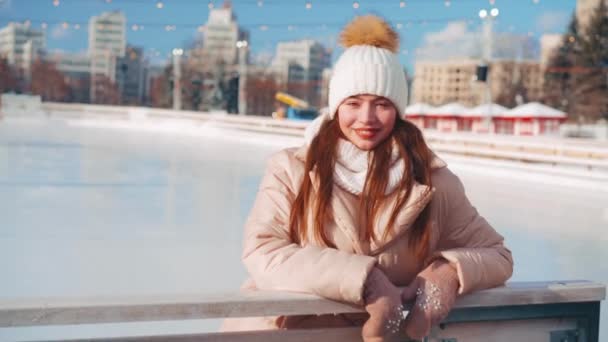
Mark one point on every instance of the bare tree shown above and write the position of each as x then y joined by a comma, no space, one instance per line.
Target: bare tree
261,90
48,82
576,79
8,77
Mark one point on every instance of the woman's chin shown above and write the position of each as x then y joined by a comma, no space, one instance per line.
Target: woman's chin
365,145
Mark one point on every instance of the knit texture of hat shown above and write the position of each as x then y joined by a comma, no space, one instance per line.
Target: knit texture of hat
369,64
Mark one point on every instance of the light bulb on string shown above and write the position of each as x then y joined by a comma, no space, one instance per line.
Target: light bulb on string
308,5
76,26
159,4
535,1
210,5
492,2
108,1
65,25
55,3
260,3
44,25
447,3
401,4
355,4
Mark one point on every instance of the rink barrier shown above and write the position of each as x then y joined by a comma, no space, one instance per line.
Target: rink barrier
518,311
590,155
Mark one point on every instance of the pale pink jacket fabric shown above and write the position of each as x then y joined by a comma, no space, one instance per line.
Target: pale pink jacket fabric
459,234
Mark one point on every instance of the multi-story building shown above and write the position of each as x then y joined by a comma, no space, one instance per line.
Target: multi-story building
584,11
20,44
438,83
442,82
219,54
131,75
107,43
219,41
300,65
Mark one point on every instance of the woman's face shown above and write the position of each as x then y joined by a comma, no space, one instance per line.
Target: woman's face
366,120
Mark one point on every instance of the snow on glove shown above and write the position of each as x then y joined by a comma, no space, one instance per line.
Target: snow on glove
383,303
434,291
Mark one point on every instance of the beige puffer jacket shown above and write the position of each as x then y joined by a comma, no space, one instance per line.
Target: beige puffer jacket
459,234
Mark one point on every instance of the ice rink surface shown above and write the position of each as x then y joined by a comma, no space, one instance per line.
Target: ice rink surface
100,208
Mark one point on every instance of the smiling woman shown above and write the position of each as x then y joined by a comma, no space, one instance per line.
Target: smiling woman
365,206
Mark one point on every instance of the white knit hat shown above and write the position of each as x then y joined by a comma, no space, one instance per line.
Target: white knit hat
369,64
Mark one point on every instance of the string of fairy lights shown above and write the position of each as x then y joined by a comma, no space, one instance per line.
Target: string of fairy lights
140,26
307,5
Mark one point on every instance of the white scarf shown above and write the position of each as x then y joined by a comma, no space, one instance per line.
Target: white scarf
352,164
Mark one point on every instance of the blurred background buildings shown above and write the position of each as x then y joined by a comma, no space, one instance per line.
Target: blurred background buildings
567,71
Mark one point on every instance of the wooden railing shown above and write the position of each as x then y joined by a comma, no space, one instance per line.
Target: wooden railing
571,304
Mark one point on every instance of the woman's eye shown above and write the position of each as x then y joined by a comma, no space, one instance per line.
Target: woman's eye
382,104
352,103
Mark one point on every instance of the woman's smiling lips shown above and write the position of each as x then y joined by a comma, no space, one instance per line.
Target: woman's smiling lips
366,133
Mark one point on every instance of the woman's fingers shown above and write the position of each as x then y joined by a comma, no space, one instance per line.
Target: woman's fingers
417,324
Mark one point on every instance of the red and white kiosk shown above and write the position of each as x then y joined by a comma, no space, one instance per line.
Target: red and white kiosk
530,119
417,112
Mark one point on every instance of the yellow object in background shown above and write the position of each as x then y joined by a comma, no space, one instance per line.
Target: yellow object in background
291,101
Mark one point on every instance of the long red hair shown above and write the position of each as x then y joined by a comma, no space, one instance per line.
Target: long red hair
321,157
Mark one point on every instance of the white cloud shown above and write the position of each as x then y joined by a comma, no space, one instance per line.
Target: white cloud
58,32
553,21
453,31
454,41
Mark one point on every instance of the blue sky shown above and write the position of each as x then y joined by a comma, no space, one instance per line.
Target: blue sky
271,21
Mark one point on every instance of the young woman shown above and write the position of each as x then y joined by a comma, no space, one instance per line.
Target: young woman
365,207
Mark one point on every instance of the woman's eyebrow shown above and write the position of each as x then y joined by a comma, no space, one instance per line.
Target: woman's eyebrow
380,99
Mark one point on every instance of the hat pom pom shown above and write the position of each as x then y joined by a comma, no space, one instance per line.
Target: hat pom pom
370,30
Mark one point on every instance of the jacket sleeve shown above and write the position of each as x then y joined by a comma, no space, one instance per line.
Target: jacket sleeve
468,241
276,263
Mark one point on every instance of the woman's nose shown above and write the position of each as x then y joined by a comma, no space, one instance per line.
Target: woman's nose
367,113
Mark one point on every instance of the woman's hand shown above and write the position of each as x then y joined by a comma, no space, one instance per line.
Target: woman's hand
434,291
383,303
